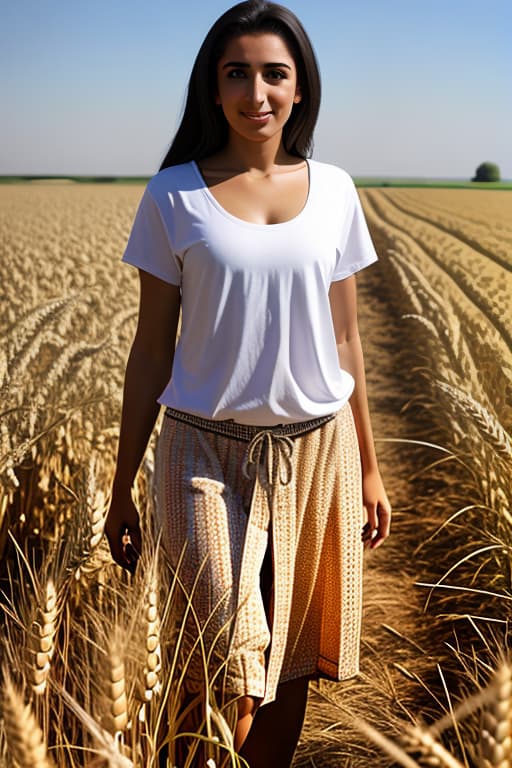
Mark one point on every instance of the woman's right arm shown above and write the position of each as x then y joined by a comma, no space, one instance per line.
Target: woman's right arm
147,372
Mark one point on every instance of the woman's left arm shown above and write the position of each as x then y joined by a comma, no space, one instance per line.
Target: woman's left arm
343,300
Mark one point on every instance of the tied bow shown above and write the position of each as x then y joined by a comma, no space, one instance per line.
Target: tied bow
270,452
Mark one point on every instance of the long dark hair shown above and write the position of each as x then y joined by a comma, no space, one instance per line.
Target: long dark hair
203,129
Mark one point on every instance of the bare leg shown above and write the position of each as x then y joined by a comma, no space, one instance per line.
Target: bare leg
273,737
247,706
192,714
246,710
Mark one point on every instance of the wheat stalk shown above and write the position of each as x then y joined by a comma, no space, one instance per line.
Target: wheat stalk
23,734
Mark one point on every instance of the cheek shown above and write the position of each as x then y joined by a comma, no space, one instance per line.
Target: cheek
228,92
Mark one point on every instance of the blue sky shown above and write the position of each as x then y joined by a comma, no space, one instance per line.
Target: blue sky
410,87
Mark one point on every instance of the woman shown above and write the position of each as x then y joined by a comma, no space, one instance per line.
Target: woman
266,455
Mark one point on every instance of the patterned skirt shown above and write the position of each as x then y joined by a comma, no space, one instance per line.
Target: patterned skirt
263,502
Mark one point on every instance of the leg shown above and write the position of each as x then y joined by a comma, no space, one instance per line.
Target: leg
247,706
274,734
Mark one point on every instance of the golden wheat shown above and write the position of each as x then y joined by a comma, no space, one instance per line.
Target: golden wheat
117,691
67,330
24,736
480,220
428,289
458,295
429,750
486,283
153,665
496,743
41,638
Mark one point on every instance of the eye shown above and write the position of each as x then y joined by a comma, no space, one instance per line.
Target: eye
236,73
276,74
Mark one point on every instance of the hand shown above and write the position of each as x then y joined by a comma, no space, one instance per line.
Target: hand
122,530
378,511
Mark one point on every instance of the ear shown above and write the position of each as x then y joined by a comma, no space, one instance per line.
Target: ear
217,98
298,95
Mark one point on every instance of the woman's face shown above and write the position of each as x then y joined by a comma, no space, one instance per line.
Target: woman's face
257,85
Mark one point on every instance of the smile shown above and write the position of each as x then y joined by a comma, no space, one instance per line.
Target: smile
257,116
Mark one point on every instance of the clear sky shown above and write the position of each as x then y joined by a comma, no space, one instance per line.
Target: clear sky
410,87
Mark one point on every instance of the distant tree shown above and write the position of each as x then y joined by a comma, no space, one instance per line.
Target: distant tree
487,172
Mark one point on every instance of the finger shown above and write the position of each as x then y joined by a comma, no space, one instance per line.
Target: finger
368,543
125,546
367,533
367,536
136,538
384,526
371,525
130,541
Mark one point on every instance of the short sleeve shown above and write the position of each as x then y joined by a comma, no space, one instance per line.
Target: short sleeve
149,246
355,249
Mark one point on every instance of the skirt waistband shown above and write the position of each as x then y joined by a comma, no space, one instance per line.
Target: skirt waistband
247,432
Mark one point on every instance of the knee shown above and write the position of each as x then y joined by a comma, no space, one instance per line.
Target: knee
247,705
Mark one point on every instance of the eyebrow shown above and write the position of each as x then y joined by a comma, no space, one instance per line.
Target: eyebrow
245,65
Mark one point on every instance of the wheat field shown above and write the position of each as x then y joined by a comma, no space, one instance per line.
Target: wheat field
91,666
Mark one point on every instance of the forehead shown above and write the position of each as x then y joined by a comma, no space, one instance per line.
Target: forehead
258,49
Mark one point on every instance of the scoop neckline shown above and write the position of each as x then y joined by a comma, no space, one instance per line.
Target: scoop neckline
213,200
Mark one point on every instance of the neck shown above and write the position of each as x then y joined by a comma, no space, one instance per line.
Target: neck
258,156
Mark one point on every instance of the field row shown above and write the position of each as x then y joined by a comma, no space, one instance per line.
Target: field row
484,227
486,283
461,291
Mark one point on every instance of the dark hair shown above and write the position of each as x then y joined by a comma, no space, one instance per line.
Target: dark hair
203,129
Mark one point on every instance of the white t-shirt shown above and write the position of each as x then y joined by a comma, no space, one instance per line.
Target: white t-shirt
257,342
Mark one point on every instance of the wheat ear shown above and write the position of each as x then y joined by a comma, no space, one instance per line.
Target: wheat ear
96,521
23,735
41,639
96,507
496,740
153,663
107,746
487,423
420,740
117,693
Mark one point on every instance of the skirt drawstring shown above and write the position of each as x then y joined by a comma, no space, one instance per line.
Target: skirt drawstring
270,455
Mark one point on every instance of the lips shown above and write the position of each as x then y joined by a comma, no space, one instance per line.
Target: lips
257,116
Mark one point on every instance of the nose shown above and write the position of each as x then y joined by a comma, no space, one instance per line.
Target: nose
256,89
